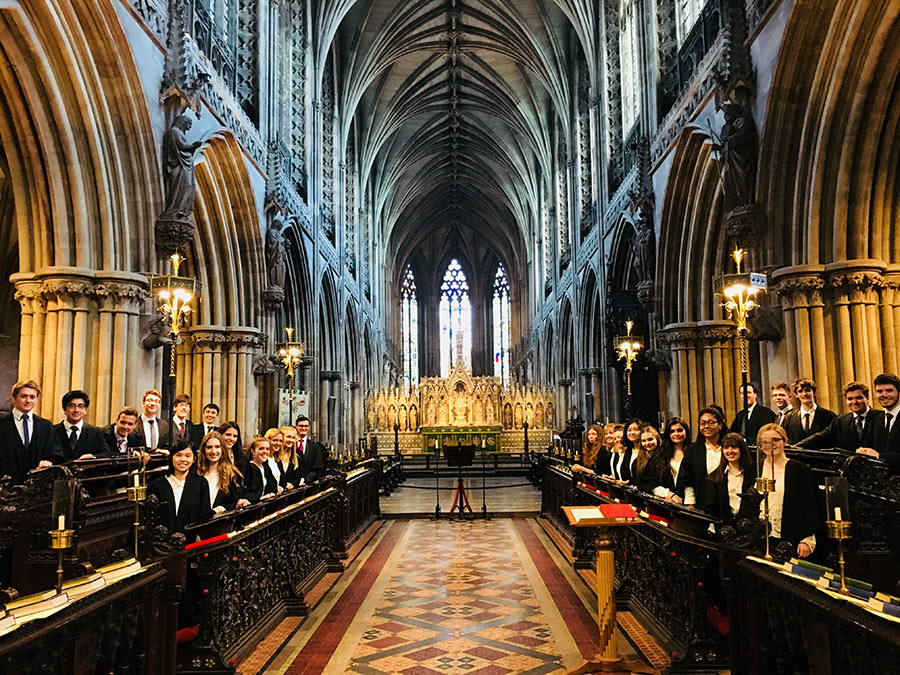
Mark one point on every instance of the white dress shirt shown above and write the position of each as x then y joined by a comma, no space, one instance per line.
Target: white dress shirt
78,427
810,414
177,489
149,433
17,417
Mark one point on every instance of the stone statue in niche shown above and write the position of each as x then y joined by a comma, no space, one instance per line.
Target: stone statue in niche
382,418
507,416
276,252
155,333
429,412
642,244
489,410
520,416
737,147
370,417
403,418
413,418
174,226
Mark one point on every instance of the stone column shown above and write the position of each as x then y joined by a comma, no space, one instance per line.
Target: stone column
80,330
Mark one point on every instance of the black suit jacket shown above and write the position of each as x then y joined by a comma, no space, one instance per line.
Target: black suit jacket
801,514
841,433
693,473
112,447
624,467
312,463
91,441
15,459
194,506
228,500
163,432
256,485
760,416
198,432
793,424
888,445
717,503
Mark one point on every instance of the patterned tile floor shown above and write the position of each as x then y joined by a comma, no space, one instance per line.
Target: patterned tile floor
440,598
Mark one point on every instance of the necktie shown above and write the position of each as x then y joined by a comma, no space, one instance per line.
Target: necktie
73,436
122,441
806,417
859,427
781,419
887,422
181,429
154,436
25,432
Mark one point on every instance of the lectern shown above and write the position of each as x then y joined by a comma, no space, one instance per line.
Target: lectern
602,517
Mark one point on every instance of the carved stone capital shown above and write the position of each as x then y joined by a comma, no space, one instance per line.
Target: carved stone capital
273,298
330,375
746,224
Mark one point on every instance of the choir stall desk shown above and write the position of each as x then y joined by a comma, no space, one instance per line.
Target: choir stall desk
607,659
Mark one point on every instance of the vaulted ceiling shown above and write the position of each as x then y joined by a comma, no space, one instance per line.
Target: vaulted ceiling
455,108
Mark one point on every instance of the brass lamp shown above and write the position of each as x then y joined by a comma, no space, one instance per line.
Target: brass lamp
175,293
627,347
291,354
740,290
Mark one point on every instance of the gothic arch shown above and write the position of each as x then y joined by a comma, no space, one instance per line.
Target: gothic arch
694,249
329,327
81,166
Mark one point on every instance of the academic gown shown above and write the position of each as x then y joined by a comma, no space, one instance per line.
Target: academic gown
793,423
91,440
800,513
717,503
194,506
15,459
257,484
693,472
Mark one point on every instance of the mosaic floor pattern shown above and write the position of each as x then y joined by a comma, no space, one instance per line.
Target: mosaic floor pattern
458,601
441,598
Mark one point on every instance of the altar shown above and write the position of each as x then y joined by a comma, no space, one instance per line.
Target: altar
442,410
435,438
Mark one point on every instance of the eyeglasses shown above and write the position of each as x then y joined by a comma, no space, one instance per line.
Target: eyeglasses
76,406
770,443
709,423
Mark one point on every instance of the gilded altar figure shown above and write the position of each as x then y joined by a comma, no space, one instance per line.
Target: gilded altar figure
403,419
539,416
507,416
443,411
529,415
477,411
520,417
548,416
413,418
460,407
430,418
382,419
489,409
370,417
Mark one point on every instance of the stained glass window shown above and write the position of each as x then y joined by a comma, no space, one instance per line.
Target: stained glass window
630,58
456,318
409,328
501,325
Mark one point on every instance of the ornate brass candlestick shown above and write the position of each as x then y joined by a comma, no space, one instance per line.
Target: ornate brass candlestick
60,540
137,493
764,486
837,505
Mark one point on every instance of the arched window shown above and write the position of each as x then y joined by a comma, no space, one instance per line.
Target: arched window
501,325
629,56
686,14
409,328
456,318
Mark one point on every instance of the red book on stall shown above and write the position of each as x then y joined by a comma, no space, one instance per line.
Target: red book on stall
618,511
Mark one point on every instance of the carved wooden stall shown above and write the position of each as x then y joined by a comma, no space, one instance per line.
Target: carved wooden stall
671,572
248,568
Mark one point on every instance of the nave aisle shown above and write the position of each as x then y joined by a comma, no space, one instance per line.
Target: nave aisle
441,598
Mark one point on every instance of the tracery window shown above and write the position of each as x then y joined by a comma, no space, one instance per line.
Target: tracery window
456,317
686,14
629,56
409,328
502,310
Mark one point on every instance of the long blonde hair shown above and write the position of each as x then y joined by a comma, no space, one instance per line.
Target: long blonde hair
283,451
229,474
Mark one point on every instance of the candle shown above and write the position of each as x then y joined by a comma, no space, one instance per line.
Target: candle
483,443
837,512
61,525
136,480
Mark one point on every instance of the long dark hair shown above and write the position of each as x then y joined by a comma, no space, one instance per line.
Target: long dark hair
663,456
732,440
590,450
178,447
